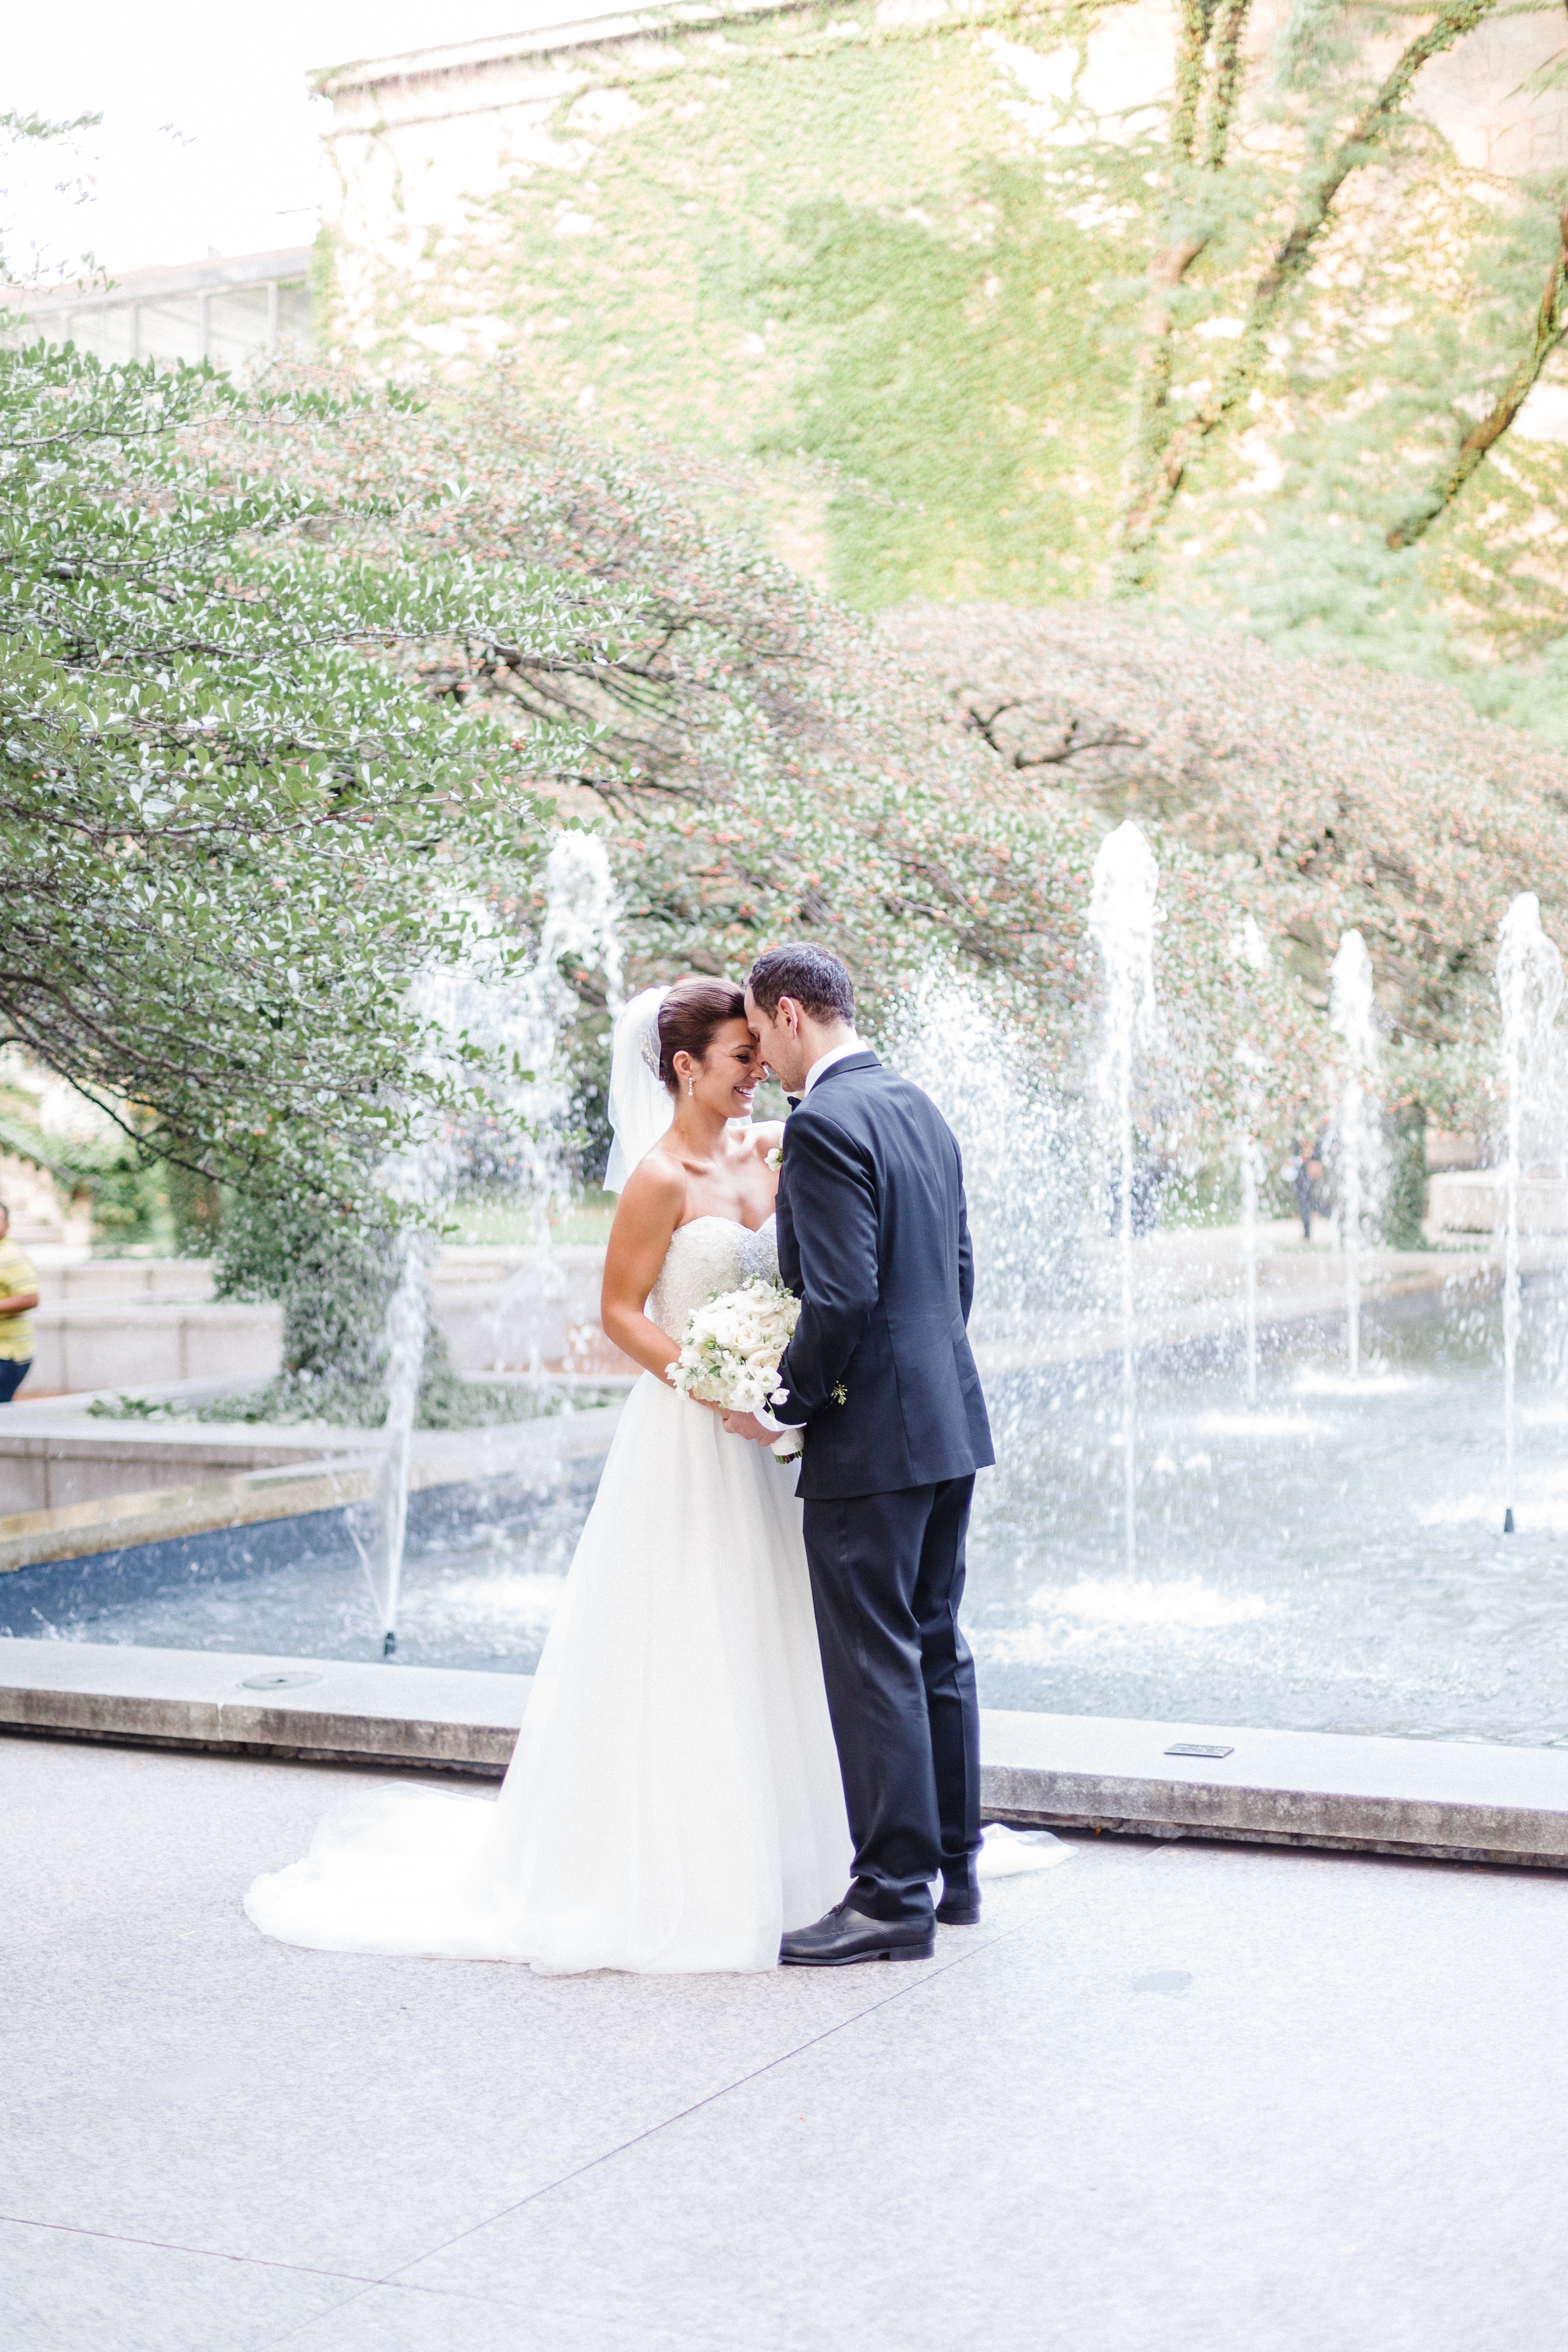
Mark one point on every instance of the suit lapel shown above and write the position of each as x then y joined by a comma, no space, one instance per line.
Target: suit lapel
784,1233
789,1250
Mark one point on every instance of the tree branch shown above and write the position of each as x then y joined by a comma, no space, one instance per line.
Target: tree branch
1227,81
1076,736
1212,95
1288,263
1550,331
1198,21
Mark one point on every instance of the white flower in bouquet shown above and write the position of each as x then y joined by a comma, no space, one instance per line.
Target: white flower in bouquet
730,1353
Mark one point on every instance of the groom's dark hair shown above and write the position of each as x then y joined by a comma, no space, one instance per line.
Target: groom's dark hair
814,978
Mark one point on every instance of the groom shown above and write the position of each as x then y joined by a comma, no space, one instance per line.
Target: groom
874,1239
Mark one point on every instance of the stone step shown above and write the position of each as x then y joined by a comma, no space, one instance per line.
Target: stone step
1433,1800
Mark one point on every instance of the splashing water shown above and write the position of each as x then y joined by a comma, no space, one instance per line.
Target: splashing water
1122,925
1351,1016
517,1022
1248,1153
1023,1168
1249,952
581,928
582,912
1182,1600
408,1316
1530,989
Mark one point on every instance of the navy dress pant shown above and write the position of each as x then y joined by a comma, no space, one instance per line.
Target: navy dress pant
886,1578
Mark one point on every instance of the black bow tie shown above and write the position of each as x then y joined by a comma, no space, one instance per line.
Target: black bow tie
793,1101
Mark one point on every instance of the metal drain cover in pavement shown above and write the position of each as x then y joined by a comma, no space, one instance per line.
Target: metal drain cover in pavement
278,1681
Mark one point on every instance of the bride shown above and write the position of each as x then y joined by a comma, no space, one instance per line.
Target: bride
674,1802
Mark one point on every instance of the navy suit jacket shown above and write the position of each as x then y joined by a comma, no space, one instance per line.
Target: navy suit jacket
874,1241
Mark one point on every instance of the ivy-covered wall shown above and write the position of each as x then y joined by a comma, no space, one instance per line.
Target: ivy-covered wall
815,238
946,275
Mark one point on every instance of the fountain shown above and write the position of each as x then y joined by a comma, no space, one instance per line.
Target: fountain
1351,1016
1249,952
1530,989
1121,924
516,1022
1246,1150
1323,1556
406,1322
1023,1160
580,926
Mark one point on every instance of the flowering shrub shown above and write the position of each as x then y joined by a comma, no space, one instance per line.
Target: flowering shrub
1320,797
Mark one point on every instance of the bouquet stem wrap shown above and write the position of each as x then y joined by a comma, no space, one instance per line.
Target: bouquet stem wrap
730,1352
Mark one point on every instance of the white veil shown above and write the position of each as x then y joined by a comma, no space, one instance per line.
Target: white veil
641,1109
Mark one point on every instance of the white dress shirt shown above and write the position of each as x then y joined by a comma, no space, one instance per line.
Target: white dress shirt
826,1062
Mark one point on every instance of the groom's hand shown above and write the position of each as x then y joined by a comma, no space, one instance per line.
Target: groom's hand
746,1424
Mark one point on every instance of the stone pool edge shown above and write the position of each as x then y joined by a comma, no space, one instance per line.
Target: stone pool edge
1423,1800
291,1490
448,1719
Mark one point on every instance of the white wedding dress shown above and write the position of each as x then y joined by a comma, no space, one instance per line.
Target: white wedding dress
674,1803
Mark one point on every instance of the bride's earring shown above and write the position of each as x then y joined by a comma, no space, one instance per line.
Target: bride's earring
691,1086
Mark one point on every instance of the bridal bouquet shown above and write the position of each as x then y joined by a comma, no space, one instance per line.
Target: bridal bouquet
730,1353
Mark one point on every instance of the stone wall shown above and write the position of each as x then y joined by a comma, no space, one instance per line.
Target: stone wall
133,1323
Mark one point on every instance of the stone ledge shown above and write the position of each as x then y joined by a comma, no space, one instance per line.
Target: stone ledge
443,1718
344,1470
1435,1798
1422,1799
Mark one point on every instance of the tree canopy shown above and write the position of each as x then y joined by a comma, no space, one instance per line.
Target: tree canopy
299,679
1337,326
233,825
928,792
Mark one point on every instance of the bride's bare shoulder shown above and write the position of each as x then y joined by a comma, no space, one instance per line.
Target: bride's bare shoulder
654,1195
765,1135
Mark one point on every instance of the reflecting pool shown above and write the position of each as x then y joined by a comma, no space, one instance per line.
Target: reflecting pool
1329,1560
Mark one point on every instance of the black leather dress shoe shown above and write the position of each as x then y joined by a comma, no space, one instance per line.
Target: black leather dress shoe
845,1935
960,1907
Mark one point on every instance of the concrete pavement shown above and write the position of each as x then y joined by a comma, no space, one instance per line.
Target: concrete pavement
1168,2098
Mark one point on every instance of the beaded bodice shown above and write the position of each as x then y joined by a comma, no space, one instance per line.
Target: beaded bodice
710,1255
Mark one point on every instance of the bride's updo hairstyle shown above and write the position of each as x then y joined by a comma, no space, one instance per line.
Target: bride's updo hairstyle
690,1014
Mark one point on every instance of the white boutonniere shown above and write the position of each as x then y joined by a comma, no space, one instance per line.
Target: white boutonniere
775,1158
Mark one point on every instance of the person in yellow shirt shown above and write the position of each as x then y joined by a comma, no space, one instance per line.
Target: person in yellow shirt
18,1297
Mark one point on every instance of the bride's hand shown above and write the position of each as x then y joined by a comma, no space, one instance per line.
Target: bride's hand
746,1424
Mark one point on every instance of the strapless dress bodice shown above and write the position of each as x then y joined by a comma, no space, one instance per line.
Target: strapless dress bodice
710,1255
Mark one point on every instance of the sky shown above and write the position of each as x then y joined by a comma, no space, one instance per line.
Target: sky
209,141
